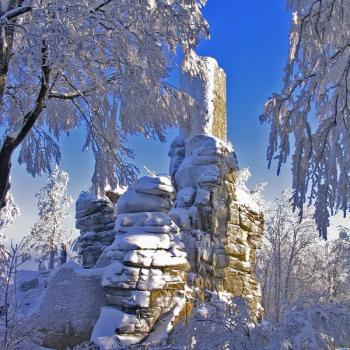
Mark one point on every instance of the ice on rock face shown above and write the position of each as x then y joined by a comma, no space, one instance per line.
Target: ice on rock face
218,219
202,197
201,163
210,175
182,217
208,88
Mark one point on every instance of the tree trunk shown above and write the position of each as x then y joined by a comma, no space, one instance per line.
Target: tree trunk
13,141
5,167
290,266
63,257
52,255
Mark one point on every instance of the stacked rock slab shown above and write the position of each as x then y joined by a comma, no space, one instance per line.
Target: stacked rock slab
145,267
95,218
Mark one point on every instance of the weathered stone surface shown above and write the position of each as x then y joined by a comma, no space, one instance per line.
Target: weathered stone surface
95,218
70,307
220,233
209,91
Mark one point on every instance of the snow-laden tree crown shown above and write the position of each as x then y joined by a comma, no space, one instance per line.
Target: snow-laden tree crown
97,65
311,113
8,214
49,232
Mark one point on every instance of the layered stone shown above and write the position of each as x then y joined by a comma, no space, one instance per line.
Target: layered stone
145,267
95,219
221,232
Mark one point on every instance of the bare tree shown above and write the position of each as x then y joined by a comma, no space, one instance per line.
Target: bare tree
287,242
10,260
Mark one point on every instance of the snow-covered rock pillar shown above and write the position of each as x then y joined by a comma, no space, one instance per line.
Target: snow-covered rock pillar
145,268
209,91
220,223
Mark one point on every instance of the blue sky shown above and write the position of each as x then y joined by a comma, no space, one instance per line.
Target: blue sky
249,39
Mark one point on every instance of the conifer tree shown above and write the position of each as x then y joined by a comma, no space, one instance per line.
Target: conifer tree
49,233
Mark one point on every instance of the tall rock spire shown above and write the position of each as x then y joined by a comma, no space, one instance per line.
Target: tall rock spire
208,89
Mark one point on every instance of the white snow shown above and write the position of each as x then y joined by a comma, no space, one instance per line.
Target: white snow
138,298
30,299
142,240
150,280
210,174
182,217
245,198
202,197
165,325
104,333
163,258
185,197
159,185
87,196
142,257
146,229
118,190
142,218
131,202
110,272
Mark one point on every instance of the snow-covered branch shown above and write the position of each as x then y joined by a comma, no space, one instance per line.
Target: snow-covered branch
108,61
313,108
14,13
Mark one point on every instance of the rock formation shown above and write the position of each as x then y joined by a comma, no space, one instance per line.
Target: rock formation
220,224
169,240
208,89
95,219
155,265
63,313
145,267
